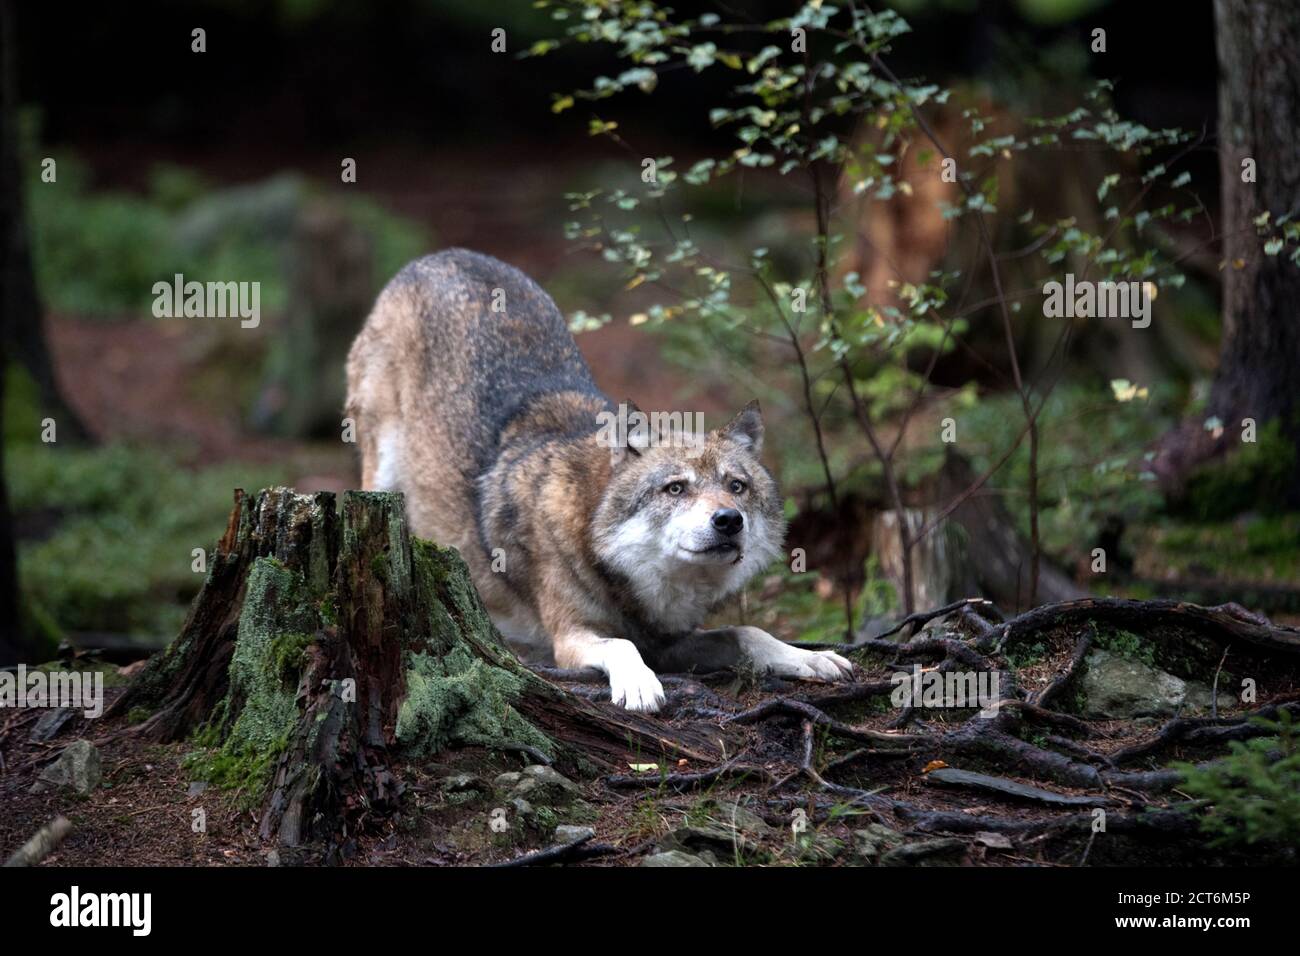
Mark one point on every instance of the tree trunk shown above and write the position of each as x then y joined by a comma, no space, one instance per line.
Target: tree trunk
324,651
22,326
940,572
13,644
1259,110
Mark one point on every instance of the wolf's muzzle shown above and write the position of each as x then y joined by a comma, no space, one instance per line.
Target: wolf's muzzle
728,521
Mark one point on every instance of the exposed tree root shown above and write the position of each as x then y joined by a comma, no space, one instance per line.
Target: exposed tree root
325,651
1224,621
996,738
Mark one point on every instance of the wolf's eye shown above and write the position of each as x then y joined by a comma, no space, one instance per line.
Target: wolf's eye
737,486
674,488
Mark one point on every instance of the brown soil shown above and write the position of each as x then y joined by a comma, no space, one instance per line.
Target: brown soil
142,813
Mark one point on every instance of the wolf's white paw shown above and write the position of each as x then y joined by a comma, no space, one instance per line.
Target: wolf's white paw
811,665
821,665
783,660
635,687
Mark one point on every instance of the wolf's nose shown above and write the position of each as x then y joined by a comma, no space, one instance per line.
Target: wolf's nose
728,521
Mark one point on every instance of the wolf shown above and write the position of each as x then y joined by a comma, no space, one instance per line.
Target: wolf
469,396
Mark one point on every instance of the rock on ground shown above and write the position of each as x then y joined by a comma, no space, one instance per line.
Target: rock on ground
77,769
1116,686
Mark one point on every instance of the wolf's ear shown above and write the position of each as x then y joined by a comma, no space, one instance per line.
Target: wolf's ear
632,433
746,428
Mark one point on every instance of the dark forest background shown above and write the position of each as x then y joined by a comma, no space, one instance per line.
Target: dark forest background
226,163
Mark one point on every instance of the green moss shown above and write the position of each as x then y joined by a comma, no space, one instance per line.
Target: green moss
286,654
159,675
278,619
1126,644
461,699
578,812
455,610
448,575
1026,655
329,612
546,819
461,685
246,770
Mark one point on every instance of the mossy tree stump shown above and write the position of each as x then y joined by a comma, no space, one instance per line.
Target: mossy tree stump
325,649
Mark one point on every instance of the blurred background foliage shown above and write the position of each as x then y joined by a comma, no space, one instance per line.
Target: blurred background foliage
212,165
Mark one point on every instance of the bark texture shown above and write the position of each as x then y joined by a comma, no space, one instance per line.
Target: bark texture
326,650
1259,111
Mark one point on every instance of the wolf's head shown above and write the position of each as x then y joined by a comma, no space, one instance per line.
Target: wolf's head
687,519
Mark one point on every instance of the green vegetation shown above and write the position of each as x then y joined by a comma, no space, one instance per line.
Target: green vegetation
1256,547
1126,644
100,252
804,615
460,698
1255,477
115,527
1092,462
1254,798
793,310
107,534
1026,655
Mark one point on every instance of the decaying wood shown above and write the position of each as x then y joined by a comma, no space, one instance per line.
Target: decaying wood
952,777
939,568
371,604
42,844
1229,621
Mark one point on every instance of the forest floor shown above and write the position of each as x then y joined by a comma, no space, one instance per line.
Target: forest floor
870,785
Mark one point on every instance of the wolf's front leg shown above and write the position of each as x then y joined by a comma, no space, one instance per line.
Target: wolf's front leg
768,655
631,683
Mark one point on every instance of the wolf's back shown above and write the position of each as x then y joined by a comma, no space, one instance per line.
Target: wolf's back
457,346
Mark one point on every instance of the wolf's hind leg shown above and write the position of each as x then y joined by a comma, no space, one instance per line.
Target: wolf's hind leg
631,684
732,646
386,475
